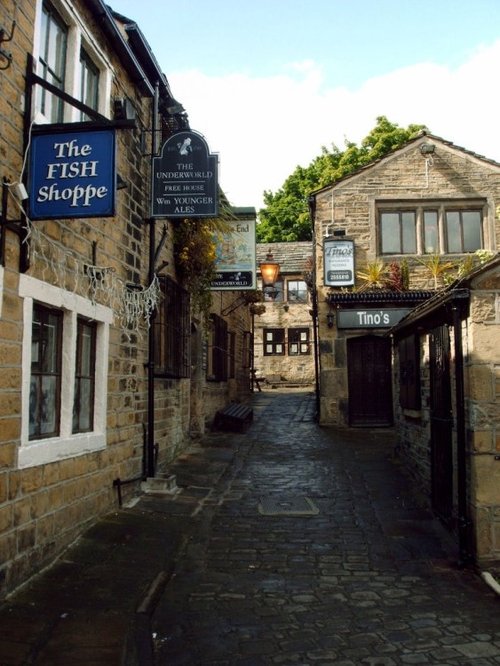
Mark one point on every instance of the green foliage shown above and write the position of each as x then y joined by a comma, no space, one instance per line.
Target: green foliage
286,213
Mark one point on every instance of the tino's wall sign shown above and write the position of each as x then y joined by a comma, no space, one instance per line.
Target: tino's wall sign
368,318
72,174
185,178
339,262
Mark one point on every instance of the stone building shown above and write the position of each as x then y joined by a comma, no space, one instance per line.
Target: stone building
447,389
92,399
284,349
388,240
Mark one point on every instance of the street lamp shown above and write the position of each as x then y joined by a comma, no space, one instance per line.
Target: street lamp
269,271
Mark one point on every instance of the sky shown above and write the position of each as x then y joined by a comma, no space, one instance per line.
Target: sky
268,83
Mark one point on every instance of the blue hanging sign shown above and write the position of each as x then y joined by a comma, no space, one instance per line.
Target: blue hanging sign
72,174
184,178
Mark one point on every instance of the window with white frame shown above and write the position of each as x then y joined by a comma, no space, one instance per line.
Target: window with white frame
69,58
447,227
296,291
64,374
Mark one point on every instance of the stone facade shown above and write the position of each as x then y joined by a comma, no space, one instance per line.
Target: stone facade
441,388
95,271
288,360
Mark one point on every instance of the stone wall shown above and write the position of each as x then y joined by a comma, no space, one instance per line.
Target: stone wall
47,501
296,369
483,412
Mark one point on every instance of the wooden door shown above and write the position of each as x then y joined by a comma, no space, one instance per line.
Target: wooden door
369,381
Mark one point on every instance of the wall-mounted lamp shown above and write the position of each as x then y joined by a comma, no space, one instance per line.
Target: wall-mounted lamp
330,319
269,272
427,148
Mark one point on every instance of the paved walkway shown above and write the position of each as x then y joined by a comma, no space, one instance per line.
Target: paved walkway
290,544
368,577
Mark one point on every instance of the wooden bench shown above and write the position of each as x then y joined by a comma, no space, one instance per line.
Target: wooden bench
233,418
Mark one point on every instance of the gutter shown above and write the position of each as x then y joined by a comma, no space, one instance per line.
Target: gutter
123,50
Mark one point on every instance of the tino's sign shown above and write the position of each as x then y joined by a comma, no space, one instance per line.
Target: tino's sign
72,174
185,178
339,262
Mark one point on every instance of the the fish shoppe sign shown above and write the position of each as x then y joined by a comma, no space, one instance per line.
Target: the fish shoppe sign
72,174
185,178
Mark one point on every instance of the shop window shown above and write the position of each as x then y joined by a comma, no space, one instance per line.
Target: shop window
172,331
409,372
217,350
64,373
297,291
298,342
274,341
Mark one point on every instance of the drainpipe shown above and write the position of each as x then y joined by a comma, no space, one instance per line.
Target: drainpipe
314,295
465,556
150,449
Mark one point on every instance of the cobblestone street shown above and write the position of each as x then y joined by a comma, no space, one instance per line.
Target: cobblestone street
311,550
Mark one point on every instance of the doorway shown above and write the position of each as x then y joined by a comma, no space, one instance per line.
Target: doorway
369,381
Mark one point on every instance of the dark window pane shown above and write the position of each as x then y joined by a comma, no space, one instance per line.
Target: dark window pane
89,83
83,405
45,381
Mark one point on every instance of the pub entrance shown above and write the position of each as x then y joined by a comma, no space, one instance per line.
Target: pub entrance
369,381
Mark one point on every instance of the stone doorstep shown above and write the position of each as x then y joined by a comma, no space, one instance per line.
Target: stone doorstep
160,485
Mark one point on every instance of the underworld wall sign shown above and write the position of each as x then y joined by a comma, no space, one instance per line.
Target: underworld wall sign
235,257
184,178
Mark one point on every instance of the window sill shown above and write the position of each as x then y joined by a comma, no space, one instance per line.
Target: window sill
45,451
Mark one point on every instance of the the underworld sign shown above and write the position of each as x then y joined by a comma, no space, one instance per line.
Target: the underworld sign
185,178
72,174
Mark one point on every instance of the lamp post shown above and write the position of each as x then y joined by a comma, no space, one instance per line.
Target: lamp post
269,272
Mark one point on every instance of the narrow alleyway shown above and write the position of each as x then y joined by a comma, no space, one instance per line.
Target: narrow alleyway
311,550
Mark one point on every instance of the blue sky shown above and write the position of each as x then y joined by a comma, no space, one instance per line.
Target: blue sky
268,82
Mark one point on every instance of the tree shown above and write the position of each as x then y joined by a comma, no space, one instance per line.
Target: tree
285,216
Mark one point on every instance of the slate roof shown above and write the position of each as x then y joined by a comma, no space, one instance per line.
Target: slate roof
292,257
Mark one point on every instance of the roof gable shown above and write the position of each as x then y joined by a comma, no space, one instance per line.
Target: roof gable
422,138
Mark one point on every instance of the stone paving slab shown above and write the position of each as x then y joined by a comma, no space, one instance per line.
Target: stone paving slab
201,577
371,579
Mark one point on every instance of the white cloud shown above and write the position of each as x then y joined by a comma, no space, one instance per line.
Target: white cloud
263,128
